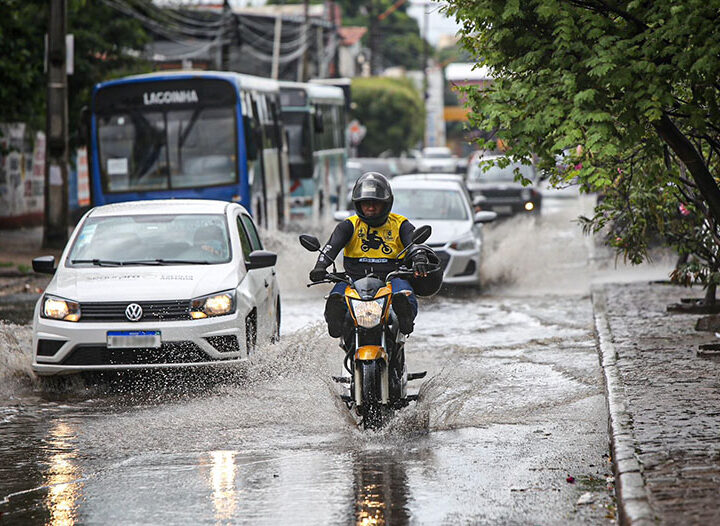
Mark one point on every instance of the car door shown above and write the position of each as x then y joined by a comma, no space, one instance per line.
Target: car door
266,282
253,284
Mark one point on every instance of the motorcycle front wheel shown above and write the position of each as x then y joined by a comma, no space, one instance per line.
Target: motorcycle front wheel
373,412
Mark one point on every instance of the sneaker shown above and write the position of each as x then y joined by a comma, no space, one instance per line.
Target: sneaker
403,310
335,310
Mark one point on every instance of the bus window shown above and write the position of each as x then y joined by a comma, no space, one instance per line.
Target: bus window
133,151
202,147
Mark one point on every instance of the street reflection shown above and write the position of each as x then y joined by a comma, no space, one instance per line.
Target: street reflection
381,490
62,477
222,478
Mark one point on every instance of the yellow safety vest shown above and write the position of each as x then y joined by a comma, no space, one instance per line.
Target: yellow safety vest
375,243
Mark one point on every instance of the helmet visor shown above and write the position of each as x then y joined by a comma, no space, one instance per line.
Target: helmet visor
370,190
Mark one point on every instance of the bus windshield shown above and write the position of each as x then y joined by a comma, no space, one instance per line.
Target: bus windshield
161,149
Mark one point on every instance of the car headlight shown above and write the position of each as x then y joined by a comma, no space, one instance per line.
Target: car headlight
368,313
212,305
60,309
464,243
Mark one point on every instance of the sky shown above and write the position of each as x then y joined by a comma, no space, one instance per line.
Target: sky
438,23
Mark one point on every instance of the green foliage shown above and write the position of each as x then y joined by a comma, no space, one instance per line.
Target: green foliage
107,44
605,76
22,81
393,112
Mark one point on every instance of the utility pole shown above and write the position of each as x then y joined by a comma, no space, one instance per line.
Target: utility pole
277,40
303,69
426,86
55,222
372,38
224,35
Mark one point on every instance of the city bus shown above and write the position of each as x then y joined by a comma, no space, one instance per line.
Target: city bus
204,135
315,121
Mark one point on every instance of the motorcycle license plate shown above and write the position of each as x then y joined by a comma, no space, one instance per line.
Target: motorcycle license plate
129,339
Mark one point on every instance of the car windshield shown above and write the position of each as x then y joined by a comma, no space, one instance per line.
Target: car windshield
430,204
152,239
496,174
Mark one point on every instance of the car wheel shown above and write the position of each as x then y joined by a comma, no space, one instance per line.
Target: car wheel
251,331
276,333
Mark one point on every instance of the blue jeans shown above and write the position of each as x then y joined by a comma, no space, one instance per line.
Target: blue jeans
397,285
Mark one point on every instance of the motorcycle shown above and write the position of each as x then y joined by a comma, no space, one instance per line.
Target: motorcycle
373,344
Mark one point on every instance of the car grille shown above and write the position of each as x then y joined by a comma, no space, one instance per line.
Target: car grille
152,310
170,352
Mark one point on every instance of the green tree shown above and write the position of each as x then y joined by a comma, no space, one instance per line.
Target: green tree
107,44
635,84
393,112
22,81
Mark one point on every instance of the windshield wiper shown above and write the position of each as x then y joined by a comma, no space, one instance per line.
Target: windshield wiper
160,261
98,262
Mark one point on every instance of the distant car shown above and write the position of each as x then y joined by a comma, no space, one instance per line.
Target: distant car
437,159
499,191
151,284
457,234
386,166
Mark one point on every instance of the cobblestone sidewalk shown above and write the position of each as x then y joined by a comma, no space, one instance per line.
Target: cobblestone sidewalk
664,405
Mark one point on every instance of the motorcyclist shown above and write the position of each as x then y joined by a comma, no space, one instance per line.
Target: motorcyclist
372,240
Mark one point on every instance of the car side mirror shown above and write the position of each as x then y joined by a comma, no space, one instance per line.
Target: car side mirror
261,259
422,234
44,264
341,215
485,216
309,242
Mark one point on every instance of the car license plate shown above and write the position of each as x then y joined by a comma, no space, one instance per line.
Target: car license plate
127,339
506,209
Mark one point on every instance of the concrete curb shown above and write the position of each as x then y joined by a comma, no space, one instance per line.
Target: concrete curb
632,499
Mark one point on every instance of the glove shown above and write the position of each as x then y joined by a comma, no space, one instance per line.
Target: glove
317,274
420,266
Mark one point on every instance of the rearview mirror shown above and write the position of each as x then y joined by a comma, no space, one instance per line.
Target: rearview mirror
485,216
421,234
318,122
44,264
341,215
310,243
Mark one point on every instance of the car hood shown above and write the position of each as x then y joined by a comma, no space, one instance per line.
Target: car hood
143,283
444,231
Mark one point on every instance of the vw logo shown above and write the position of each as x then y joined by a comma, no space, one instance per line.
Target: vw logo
133,312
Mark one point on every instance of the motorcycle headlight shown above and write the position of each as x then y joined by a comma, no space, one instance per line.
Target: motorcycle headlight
212,305
60,309
368,313
464,243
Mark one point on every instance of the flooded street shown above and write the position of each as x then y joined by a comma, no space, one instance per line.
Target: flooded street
510,428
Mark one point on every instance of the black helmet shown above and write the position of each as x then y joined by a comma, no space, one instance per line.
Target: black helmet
430,284
373,186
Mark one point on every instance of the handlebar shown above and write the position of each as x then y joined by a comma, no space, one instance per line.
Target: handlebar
333,277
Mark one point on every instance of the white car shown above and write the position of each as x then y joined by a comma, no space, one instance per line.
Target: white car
152,284
457,231
437,159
